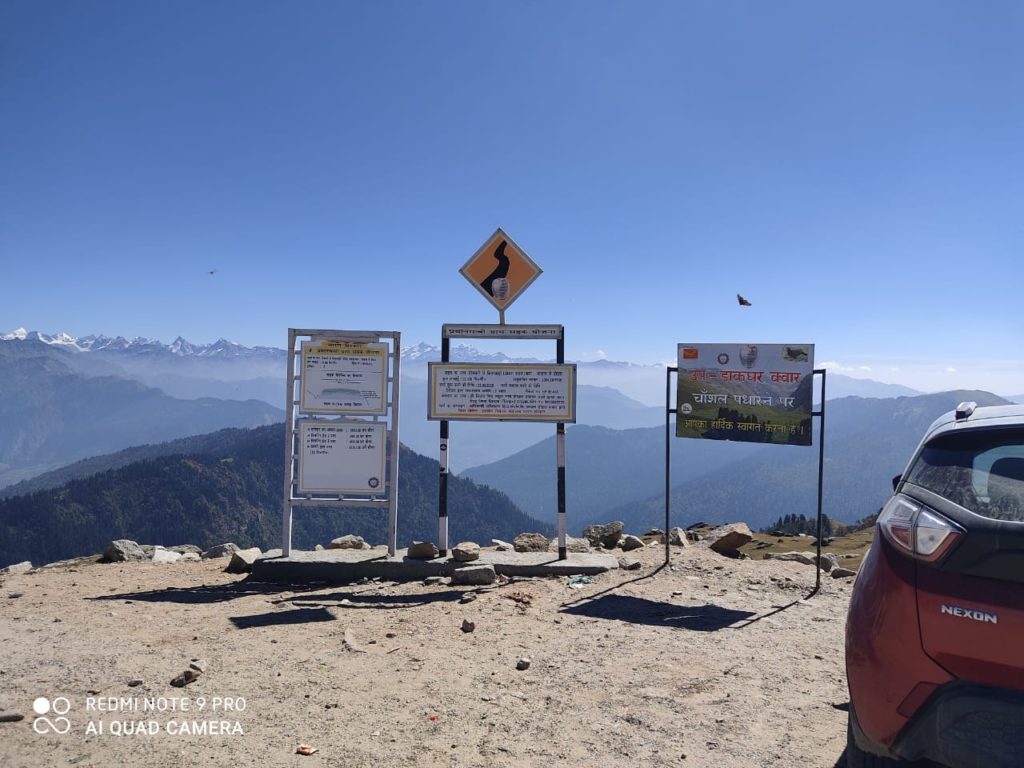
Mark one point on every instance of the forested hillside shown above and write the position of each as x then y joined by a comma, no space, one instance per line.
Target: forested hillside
233,493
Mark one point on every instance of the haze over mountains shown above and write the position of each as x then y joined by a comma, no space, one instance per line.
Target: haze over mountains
88,396
621,474
80,408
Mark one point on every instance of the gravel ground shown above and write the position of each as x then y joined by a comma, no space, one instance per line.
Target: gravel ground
710,661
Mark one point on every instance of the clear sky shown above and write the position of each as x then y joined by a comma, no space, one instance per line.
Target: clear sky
856,170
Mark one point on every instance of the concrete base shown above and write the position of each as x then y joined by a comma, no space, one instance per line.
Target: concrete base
344,566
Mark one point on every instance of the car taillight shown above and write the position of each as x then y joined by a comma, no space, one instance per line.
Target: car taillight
916,530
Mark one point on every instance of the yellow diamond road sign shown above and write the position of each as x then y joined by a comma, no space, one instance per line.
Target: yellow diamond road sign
500,270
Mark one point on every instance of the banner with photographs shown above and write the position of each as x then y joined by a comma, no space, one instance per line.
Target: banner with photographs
759,393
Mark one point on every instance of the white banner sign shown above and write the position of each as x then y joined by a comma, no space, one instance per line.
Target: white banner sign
342,457
502,392
344,377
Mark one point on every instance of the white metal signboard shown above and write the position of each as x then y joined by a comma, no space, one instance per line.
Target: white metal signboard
746,392
344,377
342,457
502,392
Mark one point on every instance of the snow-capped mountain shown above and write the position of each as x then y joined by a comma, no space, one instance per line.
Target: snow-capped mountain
222,348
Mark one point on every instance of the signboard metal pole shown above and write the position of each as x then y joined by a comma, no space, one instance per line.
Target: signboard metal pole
668,451
290,452
395,450
821,471
560,440
442,502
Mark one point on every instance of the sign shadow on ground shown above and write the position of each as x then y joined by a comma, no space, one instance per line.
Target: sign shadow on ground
638,610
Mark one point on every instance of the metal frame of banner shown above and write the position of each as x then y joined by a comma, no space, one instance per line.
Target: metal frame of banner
500,331
669,410
389,497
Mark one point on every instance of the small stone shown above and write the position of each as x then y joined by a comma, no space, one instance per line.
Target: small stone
122,551
134,682
186,677
15,595
22,567
474,575
11,717
242,560
606,535
523,663
466,551
422,550
629,564
842,573
631,542
530,542
198,665
221,550
677,537
191,557
469,597
468,626
161,555
431,581
350,541
730,538
501,546
572,545
800,557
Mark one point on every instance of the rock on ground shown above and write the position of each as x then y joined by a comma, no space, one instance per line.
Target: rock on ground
349,541
243,559
122,551
530,542
422,550
729,538
466,551
606,535
474,575
221,550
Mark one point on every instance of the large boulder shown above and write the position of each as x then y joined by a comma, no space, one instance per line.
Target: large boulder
530,542
122,551
606,535
729,538
23,567
677,537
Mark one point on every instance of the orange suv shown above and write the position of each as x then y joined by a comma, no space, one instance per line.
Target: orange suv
935,629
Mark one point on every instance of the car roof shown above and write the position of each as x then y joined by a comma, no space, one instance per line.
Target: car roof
978,417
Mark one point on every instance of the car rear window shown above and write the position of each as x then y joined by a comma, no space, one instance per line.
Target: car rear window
981,470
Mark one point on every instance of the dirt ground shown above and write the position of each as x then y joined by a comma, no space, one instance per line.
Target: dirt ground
710,661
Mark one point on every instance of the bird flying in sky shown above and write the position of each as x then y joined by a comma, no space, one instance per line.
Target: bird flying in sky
743,302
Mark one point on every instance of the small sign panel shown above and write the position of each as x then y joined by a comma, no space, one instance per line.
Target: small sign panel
500,270
746,392
344,377
502,392
342,457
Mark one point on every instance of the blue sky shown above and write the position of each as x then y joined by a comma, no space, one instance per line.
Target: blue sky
856,170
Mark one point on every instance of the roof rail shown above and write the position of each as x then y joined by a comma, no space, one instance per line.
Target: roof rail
965,409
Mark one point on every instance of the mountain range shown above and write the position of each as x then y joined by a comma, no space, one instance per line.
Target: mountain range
620,475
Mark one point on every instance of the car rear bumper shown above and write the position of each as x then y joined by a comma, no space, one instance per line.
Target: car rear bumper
968,726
